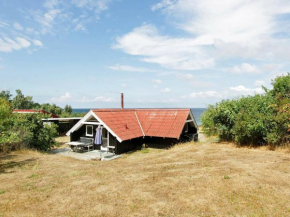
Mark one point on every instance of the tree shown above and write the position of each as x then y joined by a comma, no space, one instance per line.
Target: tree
22,102
68,109
6,95
6,119
5,113
281,86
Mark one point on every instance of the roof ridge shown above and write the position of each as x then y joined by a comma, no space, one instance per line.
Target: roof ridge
139,124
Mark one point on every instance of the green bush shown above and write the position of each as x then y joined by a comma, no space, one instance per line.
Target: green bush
24,130
253,120
33,132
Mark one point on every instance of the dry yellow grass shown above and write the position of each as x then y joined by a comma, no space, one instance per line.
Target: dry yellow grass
194,179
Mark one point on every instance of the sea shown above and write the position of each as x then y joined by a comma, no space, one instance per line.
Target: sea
197,112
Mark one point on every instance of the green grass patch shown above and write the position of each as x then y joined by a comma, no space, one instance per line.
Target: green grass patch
227,177
144,150
2,191
33,176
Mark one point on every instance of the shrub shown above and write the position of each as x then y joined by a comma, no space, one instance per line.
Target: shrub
26,131
253,120
33,132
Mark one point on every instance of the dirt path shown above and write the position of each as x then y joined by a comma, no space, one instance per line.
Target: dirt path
194,179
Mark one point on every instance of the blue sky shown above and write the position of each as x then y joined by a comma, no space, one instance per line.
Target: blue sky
162,53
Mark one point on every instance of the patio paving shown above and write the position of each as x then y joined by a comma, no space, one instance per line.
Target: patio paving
91,155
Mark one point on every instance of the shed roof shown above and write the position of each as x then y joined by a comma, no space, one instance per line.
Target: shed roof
132,123
33,111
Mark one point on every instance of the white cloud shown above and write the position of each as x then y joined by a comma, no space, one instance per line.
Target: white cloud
124,85
162,4
185,76
245,68
37,43
191,79
23,42
31,31
68,98
259,83
97,6
156,81
206,94
227,93
51,3
165,90
52,17
57,13
3,24
80,27
232,21
47,19
8,44
174,53
65,98
130,68
216,31
242,90
97,99
17,26
170,100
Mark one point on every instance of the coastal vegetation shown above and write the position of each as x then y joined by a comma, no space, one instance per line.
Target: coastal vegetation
262,119
20,101
27,130
24,130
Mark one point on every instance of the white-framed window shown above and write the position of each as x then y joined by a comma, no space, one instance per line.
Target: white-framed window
89,130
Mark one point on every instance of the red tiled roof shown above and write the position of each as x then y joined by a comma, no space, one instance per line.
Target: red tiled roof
163,122
154,122
34,111
123,123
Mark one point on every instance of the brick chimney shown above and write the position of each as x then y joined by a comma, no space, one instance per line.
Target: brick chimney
122,101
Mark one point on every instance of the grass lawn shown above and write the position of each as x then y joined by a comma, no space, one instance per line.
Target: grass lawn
193,179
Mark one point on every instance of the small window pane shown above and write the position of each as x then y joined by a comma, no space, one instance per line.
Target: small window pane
89,131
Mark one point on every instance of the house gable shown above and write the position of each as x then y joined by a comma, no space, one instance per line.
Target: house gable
91,119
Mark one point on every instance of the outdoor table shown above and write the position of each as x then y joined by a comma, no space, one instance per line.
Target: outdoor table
75,145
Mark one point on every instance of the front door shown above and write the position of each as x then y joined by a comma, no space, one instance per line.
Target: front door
105,135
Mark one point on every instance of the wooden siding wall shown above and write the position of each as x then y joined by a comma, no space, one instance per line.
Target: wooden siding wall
190,135
128,145
159,142
133,144
75,136
112,140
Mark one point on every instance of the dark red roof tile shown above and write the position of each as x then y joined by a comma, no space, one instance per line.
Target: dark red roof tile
154,122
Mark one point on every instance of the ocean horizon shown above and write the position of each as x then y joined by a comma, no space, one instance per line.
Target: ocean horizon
197,112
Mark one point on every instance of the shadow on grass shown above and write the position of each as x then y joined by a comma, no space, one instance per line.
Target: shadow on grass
4,166
6,157
159,146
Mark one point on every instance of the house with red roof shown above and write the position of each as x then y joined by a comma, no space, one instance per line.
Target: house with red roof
126,129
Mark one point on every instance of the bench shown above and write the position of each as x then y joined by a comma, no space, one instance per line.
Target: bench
83,143
87,143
